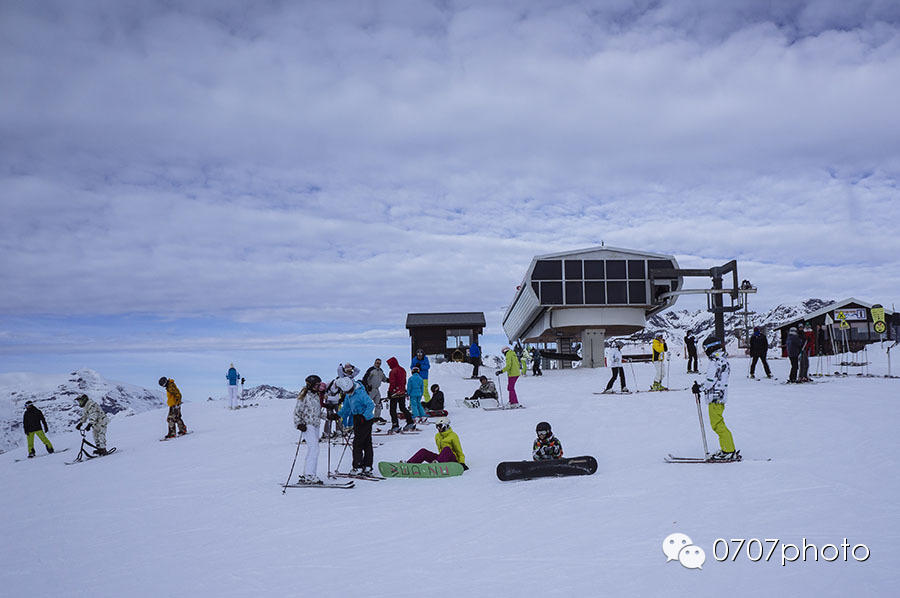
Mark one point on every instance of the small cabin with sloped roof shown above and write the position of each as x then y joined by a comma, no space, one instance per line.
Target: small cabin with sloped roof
449,334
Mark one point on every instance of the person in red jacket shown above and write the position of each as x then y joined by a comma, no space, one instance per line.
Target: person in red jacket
397,396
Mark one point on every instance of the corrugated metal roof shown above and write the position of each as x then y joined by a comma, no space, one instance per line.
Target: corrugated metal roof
473,319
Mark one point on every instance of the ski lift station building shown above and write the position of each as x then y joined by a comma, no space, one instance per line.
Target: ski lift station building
587,295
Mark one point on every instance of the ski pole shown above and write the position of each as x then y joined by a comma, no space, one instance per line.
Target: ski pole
299,440
696,389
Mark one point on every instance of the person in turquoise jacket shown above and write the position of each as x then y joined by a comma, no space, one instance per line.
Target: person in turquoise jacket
421,361
415,387
358,405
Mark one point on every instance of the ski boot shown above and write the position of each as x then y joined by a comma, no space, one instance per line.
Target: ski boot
355,471
394,429
608,391
49,450
101,452
752,377
367,471
166,437
31,454
625,391
409,427
183,432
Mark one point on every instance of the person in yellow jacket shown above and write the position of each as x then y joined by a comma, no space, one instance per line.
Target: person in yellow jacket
659,360
448,446
513,371
173,400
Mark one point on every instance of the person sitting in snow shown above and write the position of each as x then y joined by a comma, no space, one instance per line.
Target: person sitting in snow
93,418
546,445
437,399
487,390
448,446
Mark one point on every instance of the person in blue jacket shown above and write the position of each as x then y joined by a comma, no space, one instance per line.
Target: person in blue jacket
421,361
415,387
358,405
475,358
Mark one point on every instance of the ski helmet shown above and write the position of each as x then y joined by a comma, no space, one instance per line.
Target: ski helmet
442,423
163,381
543,430
312,381
712,344
29,403
345,384
81,400
435,387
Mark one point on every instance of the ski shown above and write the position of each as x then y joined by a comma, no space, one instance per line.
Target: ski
673,459
349,484
44,455
82,459
662,390
615,392
506,407
361,476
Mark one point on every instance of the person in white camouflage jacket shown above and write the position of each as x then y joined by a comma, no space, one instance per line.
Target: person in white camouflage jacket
307,417
96,421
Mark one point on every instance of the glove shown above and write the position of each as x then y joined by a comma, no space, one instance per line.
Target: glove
301,427
78,426
695,388
498,372
87,427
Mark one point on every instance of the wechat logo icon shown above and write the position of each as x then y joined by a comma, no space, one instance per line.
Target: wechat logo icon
680,547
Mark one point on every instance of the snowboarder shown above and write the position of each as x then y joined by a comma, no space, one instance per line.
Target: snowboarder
487,390
414,389
307,417
690,347
536,362
397,395
233,395
421,361
512,372
794,345
659,361
358,405
448,446
372,381
437,399
759,347
614,361
96,420
34,423
546,445
475,358
347,369
173,400
715,389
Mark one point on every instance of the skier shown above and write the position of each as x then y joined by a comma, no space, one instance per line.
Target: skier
307,416
487,390
448,446
359,406
690,345
414,390
173,400
397,395
232,376
512,372
659,361
333,425
437,399
347,369
546,446
421,361
34,423
715,389
536,362
759,347
372,380
794,345
803,372
614,361
475,358
96,420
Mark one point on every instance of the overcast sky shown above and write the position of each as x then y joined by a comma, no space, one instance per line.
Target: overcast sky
297,176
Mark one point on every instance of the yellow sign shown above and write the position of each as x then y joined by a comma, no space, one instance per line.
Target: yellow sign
845,324
880,327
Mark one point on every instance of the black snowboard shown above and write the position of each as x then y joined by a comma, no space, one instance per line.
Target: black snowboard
526,470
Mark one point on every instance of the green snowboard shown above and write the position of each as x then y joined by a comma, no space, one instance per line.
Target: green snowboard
419,470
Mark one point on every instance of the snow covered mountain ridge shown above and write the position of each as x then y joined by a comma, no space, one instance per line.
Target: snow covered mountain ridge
55,396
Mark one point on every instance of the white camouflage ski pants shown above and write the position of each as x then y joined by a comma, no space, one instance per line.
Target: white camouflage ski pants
233,395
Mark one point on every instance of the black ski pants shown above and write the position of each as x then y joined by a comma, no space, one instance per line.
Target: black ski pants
476,363
482,395
536,367
362,442
400,400
795,363
692,359
765,363
617,371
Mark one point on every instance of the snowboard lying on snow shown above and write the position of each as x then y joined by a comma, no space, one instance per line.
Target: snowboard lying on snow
526,470
419,470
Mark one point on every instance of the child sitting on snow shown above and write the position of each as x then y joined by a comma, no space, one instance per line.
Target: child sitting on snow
437,399
546,446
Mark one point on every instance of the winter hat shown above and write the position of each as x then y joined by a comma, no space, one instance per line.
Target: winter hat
163,381
81,399
434,387
29,403
504,349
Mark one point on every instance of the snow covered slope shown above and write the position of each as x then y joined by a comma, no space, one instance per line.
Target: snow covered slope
204,515
55,394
